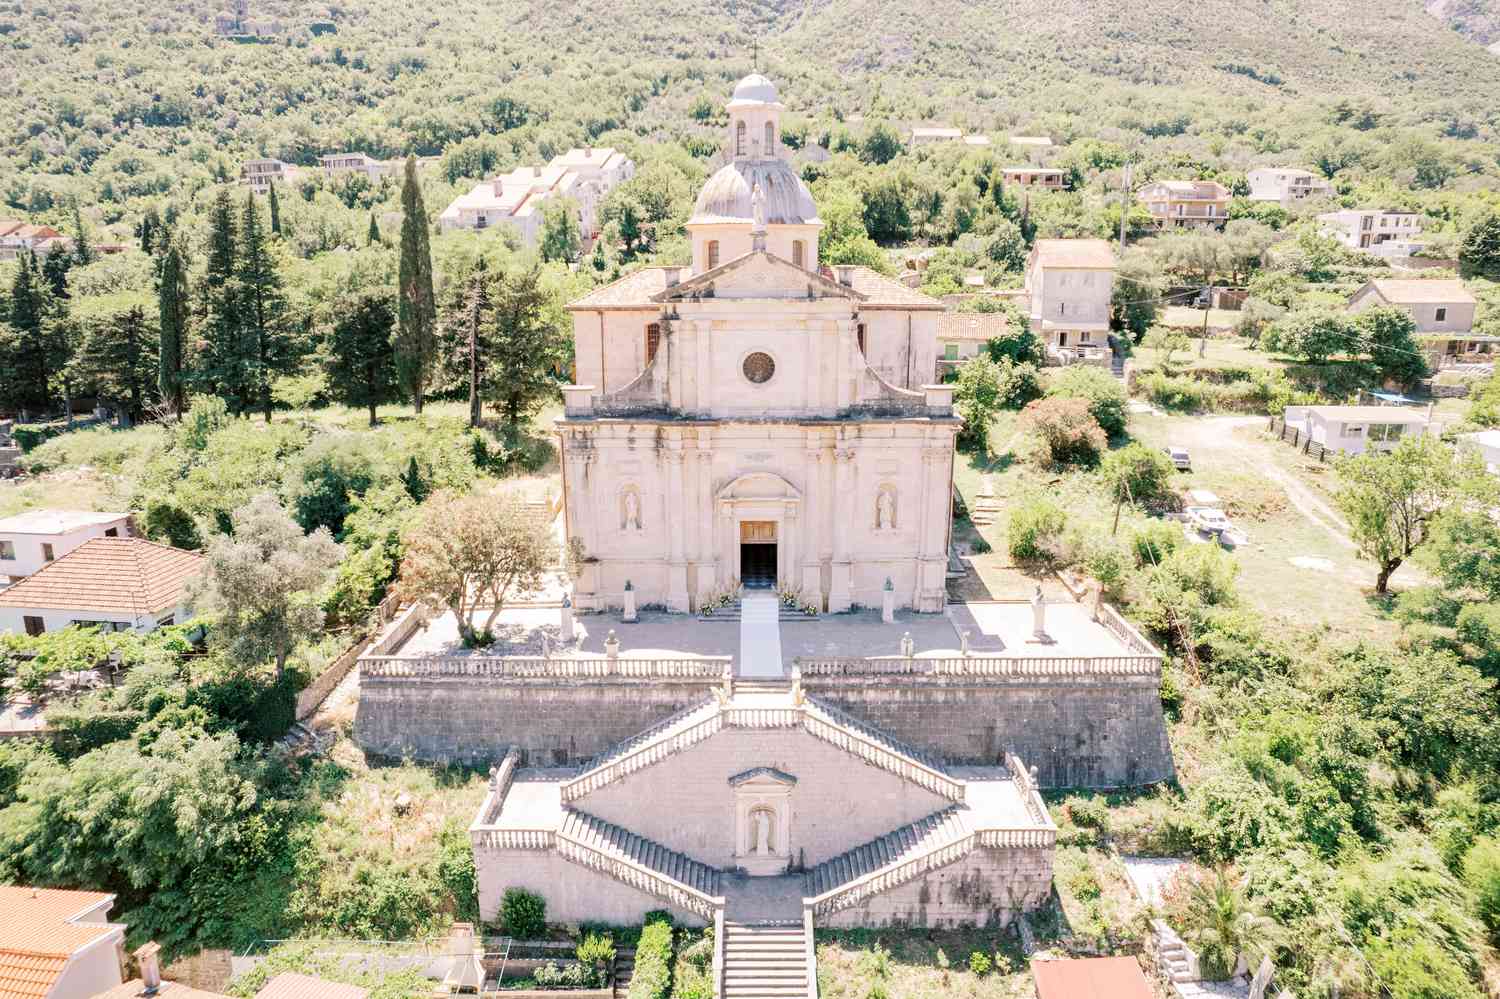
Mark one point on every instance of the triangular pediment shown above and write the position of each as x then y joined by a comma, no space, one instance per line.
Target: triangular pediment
758,274
762,777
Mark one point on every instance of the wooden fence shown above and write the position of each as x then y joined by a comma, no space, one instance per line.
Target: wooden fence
1299,440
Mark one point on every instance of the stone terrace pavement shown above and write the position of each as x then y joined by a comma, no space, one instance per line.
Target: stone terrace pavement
995,628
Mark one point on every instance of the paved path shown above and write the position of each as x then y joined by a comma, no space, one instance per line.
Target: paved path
760,636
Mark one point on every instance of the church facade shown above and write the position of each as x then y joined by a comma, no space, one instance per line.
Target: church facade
757,419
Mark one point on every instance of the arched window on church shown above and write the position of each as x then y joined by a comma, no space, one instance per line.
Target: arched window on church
859,334
713,254
770,140
653,340
799,253
739,139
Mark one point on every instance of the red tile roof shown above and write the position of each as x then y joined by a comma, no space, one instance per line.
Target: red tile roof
136,989
1083,253
37,939
289,985
1091,978
119,575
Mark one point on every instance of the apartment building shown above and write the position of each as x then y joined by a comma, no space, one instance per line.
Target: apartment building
259,175
340,164
1287,186
1186,204
1070,283
1380,231
515,199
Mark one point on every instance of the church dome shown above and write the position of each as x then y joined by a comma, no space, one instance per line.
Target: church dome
726,196
754,89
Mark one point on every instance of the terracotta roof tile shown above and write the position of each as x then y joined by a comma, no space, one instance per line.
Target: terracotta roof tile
136,989
1423,292
37,939
289,985
120,575
880,290
1091,978
1087,253
634,289
971,325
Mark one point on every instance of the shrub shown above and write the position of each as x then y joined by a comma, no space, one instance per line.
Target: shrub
1033,530
1482,875
653,959
977,398
1102,391
979,963
1089,813
596,950
1152,543
1142,474
1019,383
523,914
166,521
1065,431
28,437
568,976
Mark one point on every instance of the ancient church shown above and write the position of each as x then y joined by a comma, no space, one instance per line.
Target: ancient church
758,419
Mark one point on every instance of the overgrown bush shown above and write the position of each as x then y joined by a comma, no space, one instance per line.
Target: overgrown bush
1140,474
1102,390
523,914
1064,431
1152,543
1034,529
568,976
1481,870
652,978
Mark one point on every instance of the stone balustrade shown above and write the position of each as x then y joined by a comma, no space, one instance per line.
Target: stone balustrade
514,839
709,669
648,752
641,878
821,723
984,667
1114,622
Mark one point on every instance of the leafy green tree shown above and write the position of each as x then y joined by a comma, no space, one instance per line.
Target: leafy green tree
1223,926
1139,473
1101,390
262,584
560,240
1313,334
416,343
149,230
55,268
1480,253
844,239
468,329
881,144
372,235
1391,499
118,355
886,217
1065,432
1006,247
269,349
1388,335
527,346
361,355
1463,544
1137,294
1484,402
174,319
977,399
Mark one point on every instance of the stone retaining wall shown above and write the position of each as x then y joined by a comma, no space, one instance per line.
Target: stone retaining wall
1088,730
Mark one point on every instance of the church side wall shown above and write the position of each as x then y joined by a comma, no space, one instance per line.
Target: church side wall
901,345
988,887
470,720
837,803
574,893
1086,732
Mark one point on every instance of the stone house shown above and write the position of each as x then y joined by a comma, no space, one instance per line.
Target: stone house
260,174
57,944
340,164
1487,443
1186,204
1287,186
31,540
1070,284
962,335
114,583
17,238
928,136
1357,429
514,199
1044,177
726,414
1382,232
1444,315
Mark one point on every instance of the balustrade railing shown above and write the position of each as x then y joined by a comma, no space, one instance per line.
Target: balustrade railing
706,668
652,750
515,839
1140,664
641,877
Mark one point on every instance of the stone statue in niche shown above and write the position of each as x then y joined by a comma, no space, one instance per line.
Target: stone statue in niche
760,832
632,521
885,510
758,207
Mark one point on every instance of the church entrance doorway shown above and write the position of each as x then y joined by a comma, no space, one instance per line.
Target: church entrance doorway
758,554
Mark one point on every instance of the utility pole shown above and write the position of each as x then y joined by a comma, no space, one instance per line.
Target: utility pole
1208,301
1124,204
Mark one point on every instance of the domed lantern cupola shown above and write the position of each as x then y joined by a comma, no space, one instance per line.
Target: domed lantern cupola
754,119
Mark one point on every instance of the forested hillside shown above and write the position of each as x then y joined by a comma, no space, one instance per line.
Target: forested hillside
1476,20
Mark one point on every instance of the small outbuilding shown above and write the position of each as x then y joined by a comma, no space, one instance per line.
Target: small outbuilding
1357,429
1091,978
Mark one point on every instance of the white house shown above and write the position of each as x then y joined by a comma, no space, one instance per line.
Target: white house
1487,443
1444,315
1383,232
57,944
338,164
1286,186
260,174
514,199
17,237
29,541
928,136
1186,204
1070,283
116,584
1357,429
962,335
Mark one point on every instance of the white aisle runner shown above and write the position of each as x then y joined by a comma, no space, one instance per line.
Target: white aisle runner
760,635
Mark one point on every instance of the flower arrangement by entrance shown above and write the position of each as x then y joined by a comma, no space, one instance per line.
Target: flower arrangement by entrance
718,599
792,598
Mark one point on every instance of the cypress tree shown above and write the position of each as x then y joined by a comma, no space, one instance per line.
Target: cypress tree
148,230
467,335
55,272
417,311
275,209
527,346
266,341
220,363
172,300
119,355
82,252
362,360
373,236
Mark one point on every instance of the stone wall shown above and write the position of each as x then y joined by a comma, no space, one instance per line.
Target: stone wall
1078,731
465,719
574,893
989,887
1082,731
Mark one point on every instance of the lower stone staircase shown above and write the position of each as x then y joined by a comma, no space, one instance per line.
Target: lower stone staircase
923,837
607,841
765,961
1173,954
624,972
734,614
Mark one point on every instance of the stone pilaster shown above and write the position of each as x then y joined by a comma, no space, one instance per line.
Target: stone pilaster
677,591
840,597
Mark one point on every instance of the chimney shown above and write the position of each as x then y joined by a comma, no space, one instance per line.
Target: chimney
150,964
499,184
536,171
846,274
588,152
674,275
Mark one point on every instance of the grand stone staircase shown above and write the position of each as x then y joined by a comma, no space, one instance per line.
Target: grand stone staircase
596,838
765,961
922,838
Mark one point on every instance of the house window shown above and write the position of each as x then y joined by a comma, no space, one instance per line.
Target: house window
7,551
1354,430
112,532
1442,314
1085,337
1062,339
168,620
47,553
798,253
739,139
34,625
1062,308
859,335
770,139
1386,431
950,351
653,340
713,254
